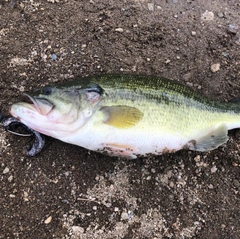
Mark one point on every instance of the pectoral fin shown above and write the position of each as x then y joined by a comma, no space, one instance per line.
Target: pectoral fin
210,141
122,116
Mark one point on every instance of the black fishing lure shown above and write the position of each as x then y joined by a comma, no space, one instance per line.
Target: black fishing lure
39,139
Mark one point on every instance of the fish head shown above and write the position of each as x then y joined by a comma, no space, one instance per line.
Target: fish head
57,111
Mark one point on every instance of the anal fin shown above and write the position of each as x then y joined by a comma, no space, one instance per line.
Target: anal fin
210,141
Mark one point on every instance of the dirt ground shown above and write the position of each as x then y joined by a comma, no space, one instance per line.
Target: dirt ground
69,192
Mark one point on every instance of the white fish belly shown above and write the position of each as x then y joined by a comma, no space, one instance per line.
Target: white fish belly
126,142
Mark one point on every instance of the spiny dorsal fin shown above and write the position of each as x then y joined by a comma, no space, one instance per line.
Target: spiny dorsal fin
122,116
210,141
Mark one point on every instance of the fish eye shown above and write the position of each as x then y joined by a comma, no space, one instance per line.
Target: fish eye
47,90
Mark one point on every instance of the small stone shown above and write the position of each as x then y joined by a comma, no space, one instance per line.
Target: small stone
236,183
25,196
215,67
197,158
119,29
220,15
225,54
22,88
232,29
153,170
48,220
150,6
10,178
167,61
171,184
95,208
108,204
6,170
124,216
210,186
223,226
214,169
21,5
77,230
234,164
237,41
207,16
54,57
194,33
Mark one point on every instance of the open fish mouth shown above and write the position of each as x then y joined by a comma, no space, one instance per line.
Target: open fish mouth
42,105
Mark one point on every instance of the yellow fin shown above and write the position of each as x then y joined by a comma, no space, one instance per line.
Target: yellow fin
122,116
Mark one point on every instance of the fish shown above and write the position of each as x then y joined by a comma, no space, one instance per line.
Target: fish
129,115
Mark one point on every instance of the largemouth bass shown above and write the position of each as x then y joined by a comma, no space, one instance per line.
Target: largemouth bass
129,116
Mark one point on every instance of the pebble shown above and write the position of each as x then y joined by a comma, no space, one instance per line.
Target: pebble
167,61
232,29
25,196
22,88
54,57
237,41
214,169
153,170
220,15
210,186
215,67
124,216
194,33
77,229
48,220
6,170
197,158
119,29
207,16
171,184
225,54
223,226
10,178
236,183
53,1
150,6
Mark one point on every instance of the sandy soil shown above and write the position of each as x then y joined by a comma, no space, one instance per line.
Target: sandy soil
69,192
